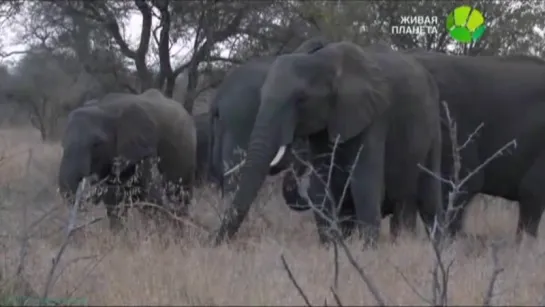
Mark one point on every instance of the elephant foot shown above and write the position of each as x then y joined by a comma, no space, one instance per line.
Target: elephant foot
369,235
370,243
116,225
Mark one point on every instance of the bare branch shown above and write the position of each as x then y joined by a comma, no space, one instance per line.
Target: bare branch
293,281
413,289
497,270
82,188
336,297
145,32
471,137
111,25
368,282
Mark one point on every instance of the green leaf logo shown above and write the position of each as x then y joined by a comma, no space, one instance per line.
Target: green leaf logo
466,24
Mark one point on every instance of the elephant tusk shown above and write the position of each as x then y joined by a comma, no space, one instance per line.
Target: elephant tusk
234,168
279,156
274,162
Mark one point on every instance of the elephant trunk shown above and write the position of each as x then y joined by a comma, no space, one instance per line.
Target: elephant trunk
264,144
74,167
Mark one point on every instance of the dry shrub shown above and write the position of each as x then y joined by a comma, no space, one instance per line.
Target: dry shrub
138,268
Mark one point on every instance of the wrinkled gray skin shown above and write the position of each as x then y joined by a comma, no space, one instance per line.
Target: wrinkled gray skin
507,95
374,99
233,111
135,130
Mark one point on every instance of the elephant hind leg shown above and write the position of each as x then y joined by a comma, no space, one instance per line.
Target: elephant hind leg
531,199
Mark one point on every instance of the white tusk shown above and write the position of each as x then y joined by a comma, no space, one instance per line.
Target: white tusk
279,156
234,168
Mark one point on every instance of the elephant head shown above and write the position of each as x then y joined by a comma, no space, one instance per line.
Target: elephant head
232,115
338,89
95,136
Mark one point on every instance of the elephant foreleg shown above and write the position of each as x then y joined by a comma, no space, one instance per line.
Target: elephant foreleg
150,185
366,159
346,214
179,196
115,210
321,198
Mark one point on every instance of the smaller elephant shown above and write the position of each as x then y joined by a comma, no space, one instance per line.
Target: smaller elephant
140,147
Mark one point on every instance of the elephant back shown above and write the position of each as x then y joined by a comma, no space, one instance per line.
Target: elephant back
178,137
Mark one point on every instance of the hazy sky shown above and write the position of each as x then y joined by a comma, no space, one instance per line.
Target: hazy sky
10,43
180,52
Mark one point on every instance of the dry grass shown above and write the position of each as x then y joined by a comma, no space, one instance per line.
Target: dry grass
139,269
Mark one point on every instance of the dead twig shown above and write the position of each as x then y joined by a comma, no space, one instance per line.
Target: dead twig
293,281
186,220
336,297
333,221
368,282
413,289
497,270
82,188
441,270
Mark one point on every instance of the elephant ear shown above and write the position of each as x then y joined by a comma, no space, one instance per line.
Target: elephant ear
360,90
136,134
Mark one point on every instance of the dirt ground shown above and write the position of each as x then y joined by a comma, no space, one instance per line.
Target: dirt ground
139,268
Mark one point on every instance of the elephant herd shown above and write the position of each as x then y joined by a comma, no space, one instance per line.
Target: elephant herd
363,129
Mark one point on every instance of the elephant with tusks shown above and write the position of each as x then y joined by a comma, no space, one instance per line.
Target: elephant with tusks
375,109
232,116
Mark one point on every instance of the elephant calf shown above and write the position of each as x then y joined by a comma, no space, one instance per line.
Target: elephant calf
121,139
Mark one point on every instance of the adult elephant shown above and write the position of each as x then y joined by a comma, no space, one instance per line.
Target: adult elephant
376,105
118,138
484,90
232,116
506,94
